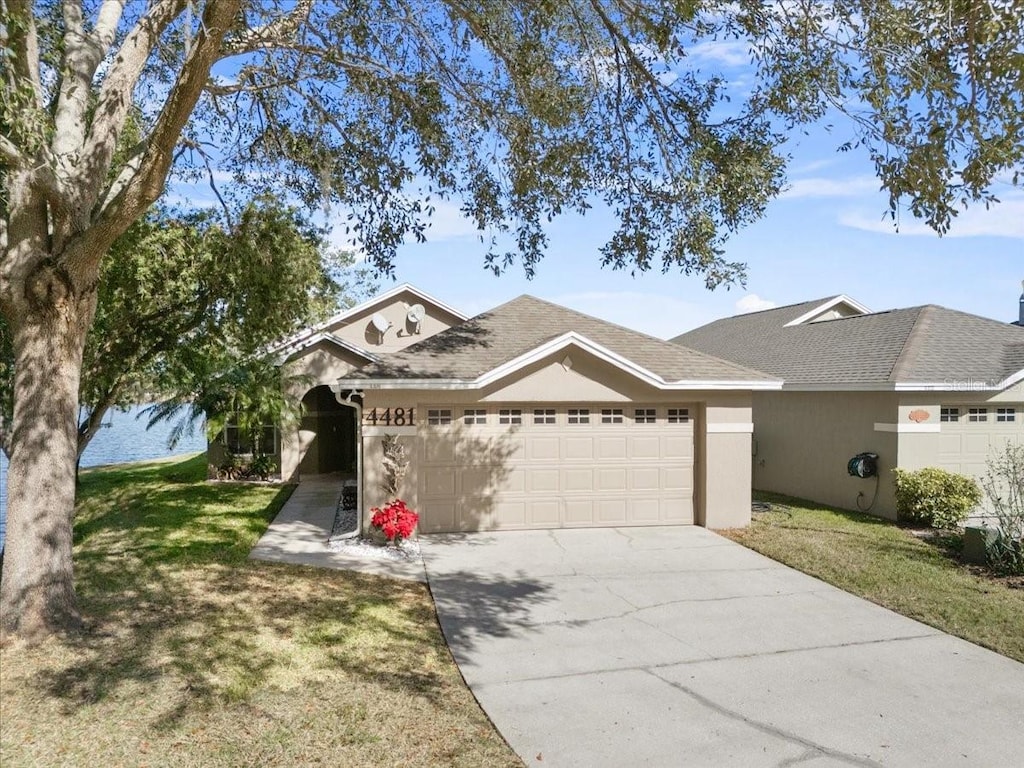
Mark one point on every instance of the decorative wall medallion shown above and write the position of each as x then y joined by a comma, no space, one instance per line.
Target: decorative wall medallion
918,416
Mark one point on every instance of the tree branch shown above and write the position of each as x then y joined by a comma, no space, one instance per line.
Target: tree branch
146,185
278,32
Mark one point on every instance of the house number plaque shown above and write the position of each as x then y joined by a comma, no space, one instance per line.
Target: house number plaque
389,417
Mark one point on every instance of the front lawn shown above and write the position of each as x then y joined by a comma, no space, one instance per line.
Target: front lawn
196,656
888,565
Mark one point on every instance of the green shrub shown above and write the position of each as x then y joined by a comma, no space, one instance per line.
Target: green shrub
1004,487
935,497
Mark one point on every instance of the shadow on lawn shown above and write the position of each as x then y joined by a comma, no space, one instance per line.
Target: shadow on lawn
173,602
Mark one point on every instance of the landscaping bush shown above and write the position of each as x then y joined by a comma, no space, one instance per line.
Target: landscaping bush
935,497
1004,487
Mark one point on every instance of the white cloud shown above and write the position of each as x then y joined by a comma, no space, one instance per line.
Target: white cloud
449,223
1005,219
753,303
730,53
825,187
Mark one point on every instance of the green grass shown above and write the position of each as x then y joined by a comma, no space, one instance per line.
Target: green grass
878,560
196,656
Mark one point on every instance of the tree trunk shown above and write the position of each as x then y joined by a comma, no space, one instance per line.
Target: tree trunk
50,323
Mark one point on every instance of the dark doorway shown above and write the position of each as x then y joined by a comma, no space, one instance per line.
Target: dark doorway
333,426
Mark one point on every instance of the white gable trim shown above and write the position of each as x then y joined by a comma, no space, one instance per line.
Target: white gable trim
841,299
570,339
363,307
315,339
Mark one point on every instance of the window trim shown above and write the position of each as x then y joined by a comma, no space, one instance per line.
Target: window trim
510,416
577,416
949,414
678,416
474,417
439,417
977,415
645,415
545,416
1006,415
613,416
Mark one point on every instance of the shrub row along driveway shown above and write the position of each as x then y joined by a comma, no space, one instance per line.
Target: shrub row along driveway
674,646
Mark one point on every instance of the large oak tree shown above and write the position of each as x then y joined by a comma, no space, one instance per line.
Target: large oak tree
520,109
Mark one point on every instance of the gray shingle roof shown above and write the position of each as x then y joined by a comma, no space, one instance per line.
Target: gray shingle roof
482,343
930,344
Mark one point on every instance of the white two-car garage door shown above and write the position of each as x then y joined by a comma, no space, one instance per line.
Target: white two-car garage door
487,467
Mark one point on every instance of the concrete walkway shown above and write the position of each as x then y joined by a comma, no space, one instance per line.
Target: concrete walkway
299,533
676,647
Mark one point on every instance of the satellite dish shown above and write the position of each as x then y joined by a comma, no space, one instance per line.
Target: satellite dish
380,323
416,314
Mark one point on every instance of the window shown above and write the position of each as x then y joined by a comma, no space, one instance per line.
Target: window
678,415
611,416
645,415
543,415
1006,414
977,414
579,416
437,417
474,416
949,414
510,416
237,440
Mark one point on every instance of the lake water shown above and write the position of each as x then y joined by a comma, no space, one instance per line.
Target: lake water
125,439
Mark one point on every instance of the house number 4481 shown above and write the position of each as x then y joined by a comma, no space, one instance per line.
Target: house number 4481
390,417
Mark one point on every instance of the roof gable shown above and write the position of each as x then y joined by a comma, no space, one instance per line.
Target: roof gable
361,340
929,346
525,330
832,309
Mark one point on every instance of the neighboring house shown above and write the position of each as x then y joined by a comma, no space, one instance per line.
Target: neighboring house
924,386
530,415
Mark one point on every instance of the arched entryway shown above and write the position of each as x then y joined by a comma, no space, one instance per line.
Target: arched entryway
327,435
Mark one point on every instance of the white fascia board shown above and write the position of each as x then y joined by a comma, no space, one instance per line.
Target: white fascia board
284,354
766,386
969,385
561,342
1009,381
566,340
364,306
864,387
840,299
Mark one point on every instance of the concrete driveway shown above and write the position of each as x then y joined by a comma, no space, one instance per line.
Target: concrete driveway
676,647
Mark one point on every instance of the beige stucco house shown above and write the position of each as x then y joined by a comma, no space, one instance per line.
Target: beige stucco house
529,415
924,386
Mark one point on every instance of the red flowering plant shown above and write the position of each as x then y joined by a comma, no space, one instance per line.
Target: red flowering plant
396,521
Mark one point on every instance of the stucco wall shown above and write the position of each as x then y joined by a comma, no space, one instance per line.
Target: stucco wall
358,329
803,441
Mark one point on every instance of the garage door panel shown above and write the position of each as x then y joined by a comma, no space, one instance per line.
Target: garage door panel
439,448
676,509
555,474
677,478
678,446
612,447
543,480
544,514
645,510
437,515
579,512
612,511
577,480
511,514
976,443
578,448
439,481
544,448
645,478
645,447
613,479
